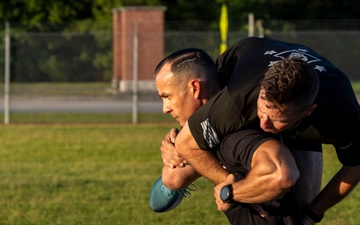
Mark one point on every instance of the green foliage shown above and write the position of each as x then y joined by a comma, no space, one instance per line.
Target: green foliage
60,14
314,9
42,58
42,15
61,57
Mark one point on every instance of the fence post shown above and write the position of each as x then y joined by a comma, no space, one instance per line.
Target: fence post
251,25
135,77
7,75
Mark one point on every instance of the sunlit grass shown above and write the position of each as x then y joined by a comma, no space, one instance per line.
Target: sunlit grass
102,174
81,118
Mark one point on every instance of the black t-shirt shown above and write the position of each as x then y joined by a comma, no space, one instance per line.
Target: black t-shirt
336,119
235,154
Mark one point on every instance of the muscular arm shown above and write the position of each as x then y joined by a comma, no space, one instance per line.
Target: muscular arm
203,162
340,185
273,171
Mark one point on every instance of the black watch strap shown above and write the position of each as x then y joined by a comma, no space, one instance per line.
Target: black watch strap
312,215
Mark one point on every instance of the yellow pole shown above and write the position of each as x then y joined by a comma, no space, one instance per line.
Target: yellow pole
223,27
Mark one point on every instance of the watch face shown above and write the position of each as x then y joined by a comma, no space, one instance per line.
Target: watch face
224,193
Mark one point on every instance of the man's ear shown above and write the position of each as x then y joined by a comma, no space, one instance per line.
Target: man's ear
195,86
310,110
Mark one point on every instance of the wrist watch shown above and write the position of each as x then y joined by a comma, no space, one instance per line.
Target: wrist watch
226,194
312,215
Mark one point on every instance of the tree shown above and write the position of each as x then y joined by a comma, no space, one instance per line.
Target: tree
56,14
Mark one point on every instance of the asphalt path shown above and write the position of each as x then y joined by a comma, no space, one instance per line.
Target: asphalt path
81,106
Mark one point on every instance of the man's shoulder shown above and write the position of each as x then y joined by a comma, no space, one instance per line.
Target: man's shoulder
250,43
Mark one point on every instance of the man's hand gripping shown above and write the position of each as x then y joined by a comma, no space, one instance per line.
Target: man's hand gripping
226,206
170,157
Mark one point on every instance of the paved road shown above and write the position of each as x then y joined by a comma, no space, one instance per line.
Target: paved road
80,105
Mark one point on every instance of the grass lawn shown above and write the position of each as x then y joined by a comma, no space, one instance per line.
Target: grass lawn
102,174
85,118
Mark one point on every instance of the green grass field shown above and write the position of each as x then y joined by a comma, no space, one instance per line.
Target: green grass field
85,118
102,174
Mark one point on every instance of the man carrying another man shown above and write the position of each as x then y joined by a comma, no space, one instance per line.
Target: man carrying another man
248,100
186,80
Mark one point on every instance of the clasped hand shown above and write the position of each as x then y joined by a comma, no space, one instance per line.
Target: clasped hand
171,158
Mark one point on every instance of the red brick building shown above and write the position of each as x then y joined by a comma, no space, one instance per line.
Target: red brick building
146,25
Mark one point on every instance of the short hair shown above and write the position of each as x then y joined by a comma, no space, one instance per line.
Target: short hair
191,63
291,80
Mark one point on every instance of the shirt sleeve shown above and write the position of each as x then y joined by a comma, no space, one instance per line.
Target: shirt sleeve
214,120
237,149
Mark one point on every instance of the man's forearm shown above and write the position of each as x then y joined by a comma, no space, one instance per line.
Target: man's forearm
179,177
340,186
207,165
204,162
175,177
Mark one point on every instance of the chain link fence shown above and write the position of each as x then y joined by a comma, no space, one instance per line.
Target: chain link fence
72,72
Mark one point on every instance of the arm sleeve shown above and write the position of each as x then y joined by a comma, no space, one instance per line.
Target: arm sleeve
214,120
237,149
